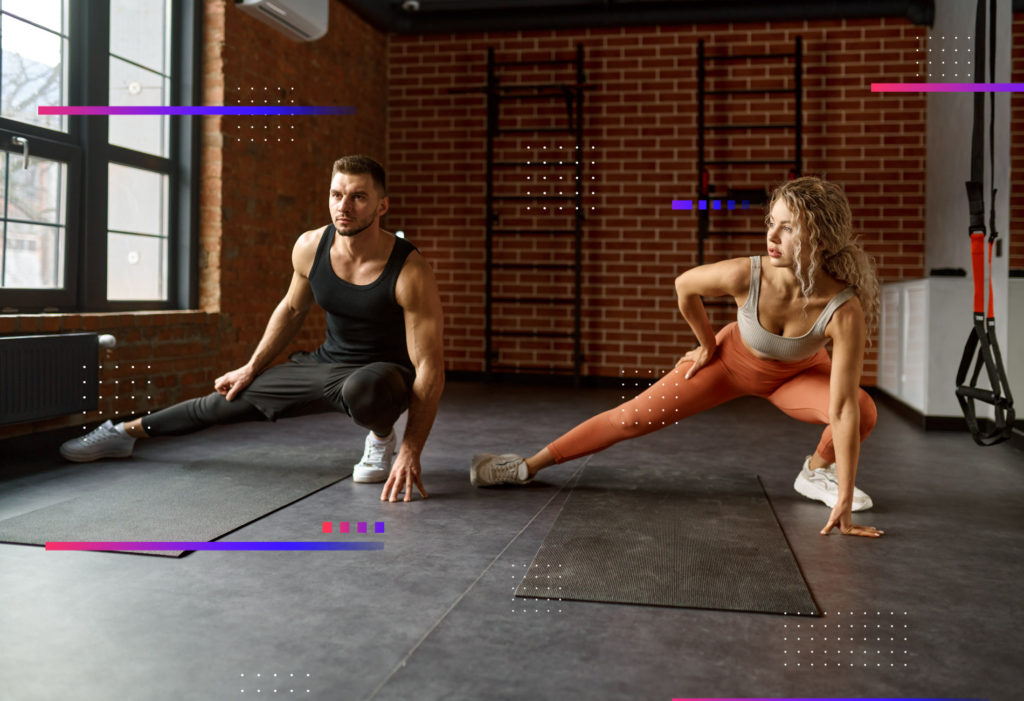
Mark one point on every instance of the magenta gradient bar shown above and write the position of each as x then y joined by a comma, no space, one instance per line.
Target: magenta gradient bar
204,110
947,87
205,545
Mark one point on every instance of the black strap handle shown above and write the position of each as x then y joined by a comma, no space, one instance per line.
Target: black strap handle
982,348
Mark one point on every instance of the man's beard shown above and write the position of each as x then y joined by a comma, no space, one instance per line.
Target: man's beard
354,232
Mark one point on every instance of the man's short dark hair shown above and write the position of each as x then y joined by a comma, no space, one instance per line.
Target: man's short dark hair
358,165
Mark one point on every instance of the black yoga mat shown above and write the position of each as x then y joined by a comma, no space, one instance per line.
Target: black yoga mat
663,537
196,500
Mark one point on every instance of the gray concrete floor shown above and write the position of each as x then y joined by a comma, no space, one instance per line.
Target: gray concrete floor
933,607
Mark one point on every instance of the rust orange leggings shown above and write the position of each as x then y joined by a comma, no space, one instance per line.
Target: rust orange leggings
800,389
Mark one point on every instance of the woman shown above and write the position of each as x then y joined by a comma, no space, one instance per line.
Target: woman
814,285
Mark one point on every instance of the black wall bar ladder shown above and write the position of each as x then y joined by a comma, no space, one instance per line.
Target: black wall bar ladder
499,94
707,192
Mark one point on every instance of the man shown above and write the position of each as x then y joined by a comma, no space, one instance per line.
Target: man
382,353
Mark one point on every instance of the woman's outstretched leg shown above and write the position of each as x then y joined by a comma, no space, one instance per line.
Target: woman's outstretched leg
664,403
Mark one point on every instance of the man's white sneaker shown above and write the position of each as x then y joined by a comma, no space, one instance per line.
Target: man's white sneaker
377,456
487,470
104,441
823,485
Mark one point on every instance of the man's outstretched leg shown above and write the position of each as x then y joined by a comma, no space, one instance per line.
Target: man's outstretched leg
118,441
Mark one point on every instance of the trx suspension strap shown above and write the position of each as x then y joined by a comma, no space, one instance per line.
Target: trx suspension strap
982,348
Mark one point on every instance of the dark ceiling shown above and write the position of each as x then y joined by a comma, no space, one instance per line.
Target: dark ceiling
458,16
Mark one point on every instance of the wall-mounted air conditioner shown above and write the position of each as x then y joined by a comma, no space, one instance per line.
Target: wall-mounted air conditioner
301,20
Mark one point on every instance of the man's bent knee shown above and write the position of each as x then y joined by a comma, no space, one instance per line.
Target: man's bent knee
376,395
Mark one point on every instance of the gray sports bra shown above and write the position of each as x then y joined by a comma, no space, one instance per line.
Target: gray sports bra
780,347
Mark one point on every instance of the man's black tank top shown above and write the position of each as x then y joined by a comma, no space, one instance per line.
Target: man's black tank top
365,324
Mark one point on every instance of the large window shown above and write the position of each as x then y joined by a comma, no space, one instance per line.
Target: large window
97,212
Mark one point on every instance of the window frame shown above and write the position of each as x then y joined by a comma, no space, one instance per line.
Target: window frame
52,299
86,148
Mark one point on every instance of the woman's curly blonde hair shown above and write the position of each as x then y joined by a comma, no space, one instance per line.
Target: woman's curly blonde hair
824,222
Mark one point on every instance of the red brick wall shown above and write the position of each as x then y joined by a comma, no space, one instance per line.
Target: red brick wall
211,162
640,132
256,197
274,190
1016,233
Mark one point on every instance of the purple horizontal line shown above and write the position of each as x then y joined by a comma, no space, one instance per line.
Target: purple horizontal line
816,698
703,204
947,87
206,110
205,545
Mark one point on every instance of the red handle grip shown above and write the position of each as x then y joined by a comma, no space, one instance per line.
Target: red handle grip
978,269
991,297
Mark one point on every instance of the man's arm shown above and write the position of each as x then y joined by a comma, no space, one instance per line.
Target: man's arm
285,322
416,292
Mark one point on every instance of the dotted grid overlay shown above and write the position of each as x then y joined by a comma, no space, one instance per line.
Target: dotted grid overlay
640,381
547,587
553,187
865,639
947,61
274,683
117,389
269,128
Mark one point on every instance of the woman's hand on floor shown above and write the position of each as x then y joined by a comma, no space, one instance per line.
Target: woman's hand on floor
840,517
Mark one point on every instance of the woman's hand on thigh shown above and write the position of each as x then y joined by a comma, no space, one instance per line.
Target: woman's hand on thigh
698,357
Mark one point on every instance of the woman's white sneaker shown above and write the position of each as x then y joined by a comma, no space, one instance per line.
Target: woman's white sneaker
822,485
